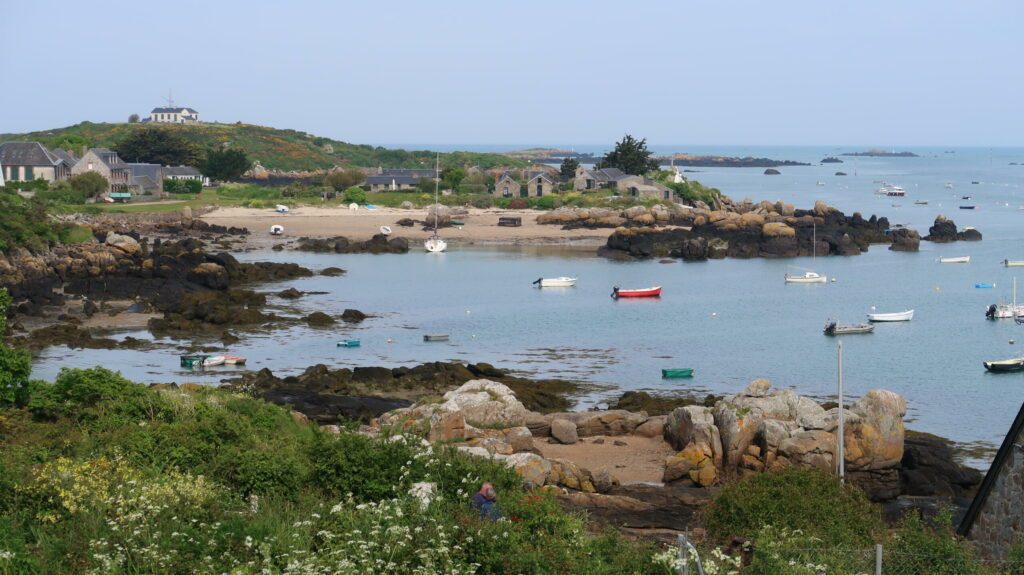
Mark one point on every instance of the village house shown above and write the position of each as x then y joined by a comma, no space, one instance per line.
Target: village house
173,116
146,179
644,188
418,173
535,183
185,173
390,183
589,179
26,161
106,163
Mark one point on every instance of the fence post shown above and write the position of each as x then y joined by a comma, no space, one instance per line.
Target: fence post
684,558
878,559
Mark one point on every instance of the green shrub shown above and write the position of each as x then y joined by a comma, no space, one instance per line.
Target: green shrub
355,194
482,202
920,549
15,365
547,202
795,498
61,193
517,204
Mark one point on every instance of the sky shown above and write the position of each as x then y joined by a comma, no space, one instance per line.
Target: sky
495,72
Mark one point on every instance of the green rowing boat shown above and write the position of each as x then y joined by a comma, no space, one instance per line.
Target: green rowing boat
674,373
348,343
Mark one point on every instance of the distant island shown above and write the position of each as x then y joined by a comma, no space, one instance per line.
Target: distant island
555,155
831,160
877,153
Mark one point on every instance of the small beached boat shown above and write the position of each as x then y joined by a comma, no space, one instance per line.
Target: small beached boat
276,230
1013,263
644,292
1005,365
897,316
348,343
214,361
676,373
956,260
281,209
458,222
834,328
555,282
386,230
436,337
234,360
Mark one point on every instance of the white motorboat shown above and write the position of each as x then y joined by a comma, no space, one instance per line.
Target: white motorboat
214,361
434,244
956,260
555,282
276,230
1013,263
281,209
898,316
1006,310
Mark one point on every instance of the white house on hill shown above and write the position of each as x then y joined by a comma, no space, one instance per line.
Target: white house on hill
174,116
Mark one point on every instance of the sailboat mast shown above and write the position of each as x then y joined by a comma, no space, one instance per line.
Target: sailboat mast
437,182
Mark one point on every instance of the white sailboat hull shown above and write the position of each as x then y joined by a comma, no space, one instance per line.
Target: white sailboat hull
807,278
435,245
958,260
558,282
899,316
1013,263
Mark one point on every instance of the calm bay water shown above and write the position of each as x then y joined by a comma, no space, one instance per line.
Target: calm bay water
731,320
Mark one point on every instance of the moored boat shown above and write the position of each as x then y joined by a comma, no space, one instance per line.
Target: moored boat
563,281
214,361
348,343
677,373
1005,365
643,292
436,337
956,260
192,360
806,278
966,207
1013,263
896,316
984,286
834,328
1004,310
276,230
921,202
234,360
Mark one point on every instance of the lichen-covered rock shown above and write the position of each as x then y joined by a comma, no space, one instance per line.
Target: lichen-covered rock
653,427
534,469
486,402
876,441
564,431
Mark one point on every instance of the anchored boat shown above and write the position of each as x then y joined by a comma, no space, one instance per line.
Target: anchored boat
644,292
563,281
1005,365
436,337
897,316
677,373
956,260
1013,263
348,343
806,278
834,328
191,361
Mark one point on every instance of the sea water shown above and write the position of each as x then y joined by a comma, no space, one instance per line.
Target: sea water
730,320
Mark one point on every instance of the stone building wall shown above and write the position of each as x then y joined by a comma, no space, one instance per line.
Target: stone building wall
1000,520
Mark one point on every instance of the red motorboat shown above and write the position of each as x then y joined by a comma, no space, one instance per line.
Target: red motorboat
645,292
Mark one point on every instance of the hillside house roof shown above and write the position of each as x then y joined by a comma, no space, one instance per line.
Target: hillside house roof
27,154
173,111
181,171
386,180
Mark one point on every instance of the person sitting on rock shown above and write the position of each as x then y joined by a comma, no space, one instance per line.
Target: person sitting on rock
484,501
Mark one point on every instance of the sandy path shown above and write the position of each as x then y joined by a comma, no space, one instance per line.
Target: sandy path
481,225
642,459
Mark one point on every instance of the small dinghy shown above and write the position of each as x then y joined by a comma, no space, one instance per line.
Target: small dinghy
1005,365
834,328
1013,263
386,230
234,360
348,343
984,286
920,202
214,361
966,207
276,230
956,260
563,281
436,337
677,373
897,316
644,292
191,361
281,209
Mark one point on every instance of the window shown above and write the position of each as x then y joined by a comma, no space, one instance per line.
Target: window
540,190
634,192
29,175
506,193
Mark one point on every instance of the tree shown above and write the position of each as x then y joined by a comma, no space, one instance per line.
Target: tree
225,165
343,180
568,169
356,195
452,177
133,119
15,366
89,184
631,156
162,146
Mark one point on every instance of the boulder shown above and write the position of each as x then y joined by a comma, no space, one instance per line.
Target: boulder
406,205
653,427
446,425
485,402
904,240
567,474
777,229
534,469
290,293
126,244
942,231
332,272
353,316
208,274
610,422
319,319
564,431
772,172
810,448
876,441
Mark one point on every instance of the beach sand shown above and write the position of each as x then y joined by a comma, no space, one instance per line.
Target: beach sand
642,460
481,226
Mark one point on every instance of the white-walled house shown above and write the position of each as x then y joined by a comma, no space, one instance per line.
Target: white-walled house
174,116
26,161
185,173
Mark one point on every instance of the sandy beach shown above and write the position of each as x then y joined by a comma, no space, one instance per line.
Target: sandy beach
481,226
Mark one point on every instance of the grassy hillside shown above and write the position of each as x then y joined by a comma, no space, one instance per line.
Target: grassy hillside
274,148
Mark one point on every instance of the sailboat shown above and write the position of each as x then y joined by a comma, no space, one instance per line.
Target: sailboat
809,277
1003,310
434,243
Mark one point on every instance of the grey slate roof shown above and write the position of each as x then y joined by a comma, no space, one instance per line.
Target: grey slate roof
386,180
173,111
152,171
65,156
412,173
181,171
109,157
26,154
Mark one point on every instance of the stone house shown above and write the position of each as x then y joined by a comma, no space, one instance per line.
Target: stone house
173,116
589,179
185,173
507,186
146,179
639,187
26,161
390,183
535,184
106,163
995,520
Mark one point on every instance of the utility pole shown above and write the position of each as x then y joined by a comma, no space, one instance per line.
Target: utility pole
841,455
